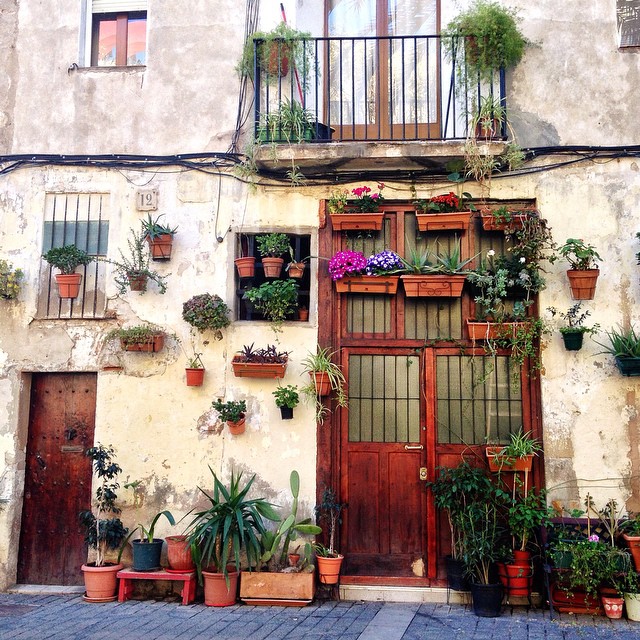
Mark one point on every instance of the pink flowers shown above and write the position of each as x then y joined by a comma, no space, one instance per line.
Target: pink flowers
346,263
366,200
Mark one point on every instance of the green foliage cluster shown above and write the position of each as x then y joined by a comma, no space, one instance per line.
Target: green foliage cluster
9,280
68,258
275,300
206,312
286,396
231,410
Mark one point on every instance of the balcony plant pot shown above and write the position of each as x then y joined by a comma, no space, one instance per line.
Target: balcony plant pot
479,330
454,221
296,269
286,413
258,369
272,267
195,377
246,267
179,554
486,599
271,588
613,607
628,366
633,542
456,577
161,246
356,221
632,605
572,340
146,555
329,569
583,283
368,284
499,463
152,345
100,582
216,591
430,286
68,285
237,428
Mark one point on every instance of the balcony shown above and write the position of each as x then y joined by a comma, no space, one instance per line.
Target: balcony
345,104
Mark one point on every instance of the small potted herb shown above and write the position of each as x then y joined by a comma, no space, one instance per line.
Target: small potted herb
573,333
159,237
287,399
67,259
271,246
207,312
233,413
583,274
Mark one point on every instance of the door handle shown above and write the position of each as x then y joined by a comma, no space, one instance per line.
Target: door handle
413,447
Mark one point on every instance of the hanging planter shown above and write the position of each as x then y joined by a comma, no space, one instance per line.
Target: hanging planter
583,283
236,427
368,284
572,340
433,286
502,219
628,366
498,462
246,267
233,413
195,377
451,221
477,330
139,338
161,246
137,281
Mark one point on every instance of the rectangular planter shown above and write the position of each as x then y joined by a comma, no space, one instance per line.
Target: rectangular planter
155,344
425,286
284,589
491,330
258,369
357,221
499,463
454,221
628,366
493,223
368,284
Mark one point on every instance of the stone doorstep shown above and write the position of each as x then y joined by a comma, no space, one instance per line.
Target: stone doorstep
50,589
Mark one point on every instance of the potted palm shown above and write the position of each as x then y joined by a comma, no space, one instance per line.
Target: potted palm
275,300
67,259
287,398
103,529
207,312
218,534
271,247
233,413
159,237
583,274
574,331
328,559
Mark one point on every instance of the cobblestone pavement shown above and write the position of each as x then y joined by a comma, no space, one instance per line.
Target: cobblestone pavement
68,617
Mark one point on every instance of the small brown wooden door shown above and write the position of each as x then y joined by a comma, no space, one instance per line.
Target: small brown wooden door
383,448
58,478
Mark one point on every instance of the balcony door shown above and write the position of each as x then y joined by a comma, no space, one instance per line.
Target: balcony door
383,69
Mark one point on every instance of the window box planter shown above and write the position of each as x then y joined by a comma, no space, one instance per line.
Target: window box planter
284,589
498,463
491,330
628,366
495,223
455,221
258,369
151,345
432,286
356,221
583,283
368,284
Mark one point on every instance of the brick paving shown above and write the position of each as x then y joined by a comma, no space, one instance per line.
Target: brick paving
68,617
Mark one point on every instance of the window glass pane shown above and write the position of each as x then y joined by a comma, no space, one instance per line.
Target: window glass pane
137,41
106,43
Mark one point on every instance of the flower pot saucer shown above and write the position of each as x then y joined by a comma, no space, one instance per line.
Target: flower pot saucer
86,598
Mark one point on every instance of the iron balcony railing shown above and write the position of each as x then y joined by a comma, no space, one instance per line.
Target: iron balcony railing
371,88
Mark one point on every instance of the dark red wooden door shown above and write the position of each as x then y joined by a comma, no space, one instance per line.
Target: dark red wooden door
383,450
58,478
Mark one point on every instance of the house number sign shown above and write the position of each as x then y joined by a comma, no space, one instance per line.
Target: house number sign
147,199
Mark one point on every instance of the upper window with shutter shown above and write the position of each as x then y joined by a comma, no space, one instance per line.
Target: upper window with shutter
118,33
628,13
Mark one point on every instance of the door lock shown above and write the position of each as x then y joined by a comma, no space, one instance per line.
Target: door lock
423,473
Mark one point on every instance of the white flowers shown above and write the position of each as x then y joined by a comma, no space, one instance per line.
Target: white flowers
491,253
523,260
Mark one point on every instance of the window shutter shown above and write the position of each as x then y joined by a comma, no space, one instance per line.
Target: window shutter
116,6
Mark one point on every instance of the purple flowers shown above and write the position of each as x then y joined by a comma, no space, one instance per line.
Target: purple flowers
347,263
351,263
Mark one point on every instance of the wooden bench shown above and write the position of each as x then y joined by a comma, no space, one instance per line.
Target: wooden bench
127,576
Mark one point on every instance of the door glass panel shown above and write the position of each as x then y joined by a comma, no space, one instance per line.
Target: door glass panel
478,399
384,398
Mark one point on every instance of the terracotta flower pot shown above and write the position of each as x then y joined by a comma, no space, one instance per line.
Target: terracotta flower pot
179,554
195,377
272,267
368,284
296,269
357,221
68,284
100,582
329,569
246,267
237,428
454,221
322,382
633,542
161,246
583,283
137,282
613,607
216,591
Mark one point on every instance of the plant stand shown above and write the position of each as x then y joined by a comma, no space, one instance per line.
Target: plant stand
127,576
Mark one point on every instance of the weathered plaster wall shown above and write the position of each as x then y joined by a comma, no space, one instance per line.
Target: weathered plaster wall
9,69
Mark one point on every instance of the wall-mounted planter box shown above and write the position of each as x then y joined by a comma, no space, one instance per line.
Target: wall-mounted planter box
628,366
283,589
357,221
258,369
152,345
454,221
368,284
429,286
504,463
491,330
498,223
